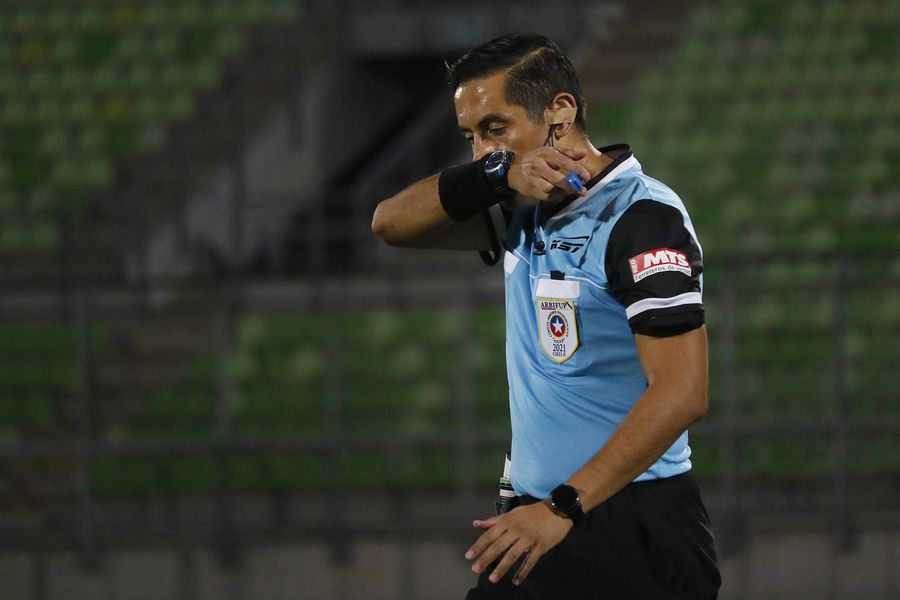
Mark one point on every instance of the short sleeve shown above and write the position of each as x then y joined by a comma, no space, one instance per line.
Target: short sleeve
653,265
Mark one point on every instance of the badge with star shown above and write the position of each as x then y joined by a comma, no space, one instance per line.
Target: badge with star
557,327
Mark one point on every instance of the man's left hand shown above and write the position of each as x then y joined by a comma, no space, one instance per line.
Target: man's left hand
528,531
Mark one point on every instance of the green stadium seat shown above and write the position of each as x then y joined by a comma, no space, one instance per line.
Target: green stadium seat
188,474
873,349
279,409
190,14
423,468
45,238
151,138
280,473
13,239
14,112
181,412
797,16
206,74
91,18
178,107
6,176
789,456
9,204
706,452
227,43
874,454
24,411
124,475
775,393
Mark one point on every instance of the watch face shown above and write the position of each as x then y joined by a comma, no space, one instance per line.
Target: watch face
496,162
565,497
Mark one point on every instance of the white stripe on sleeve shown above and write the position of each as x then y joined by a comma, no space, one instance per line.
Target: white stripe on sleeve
652,303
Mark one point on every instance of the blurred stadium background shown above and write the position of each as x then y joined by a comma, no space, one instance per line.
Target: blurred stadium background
215,382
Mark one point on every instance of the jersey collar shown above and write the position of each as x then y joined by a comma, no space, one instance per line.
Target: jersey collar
623,159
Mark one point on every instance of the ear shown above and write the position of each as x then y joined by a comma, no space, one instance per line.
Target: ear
561,113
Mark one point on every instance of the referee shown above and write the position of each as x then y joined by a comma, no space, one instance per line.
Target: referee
606,344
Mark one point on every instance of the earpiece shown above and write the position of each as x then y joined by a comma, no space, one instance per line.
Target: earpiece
561,116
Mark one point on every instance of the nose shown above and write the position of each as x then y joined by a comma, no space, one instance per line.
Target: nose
482,147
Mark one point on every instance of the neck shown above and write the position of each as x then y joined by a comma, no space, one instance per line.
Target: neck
594,160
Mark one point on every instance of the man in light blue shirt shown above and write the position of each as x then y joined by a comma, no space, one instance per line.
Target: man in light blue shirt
568,319
606,342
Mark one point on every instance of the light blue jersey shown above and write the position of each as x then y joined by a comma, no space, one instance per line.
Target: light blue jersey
571,357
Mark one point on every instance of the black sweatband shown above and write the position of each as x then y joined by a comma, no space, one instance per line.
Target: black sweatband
465,190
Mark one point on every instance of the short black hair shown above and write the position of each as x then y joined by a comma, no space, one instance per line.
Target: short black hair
538,70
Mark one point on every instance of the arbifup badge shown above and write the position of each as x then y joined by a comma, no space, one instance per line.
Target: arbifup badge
557,328
555,299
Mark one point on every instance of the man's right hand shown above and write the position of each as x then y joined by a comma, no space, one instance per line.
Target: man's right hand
540,175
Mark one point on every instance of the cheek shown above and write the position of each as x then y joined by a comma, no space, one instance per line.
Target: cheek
526,139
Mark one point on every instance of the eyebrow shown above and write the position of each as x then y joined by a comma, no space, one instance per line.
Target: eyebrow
487,120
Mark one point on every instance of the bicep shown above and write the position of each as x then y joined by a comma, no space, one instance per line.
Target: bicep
679,363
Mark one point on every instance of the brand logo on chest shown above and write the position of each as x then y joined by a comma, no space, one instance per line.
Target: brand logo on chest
569,244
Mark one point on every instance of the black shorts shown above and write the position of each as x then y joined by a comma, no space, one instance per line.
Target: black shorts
652,540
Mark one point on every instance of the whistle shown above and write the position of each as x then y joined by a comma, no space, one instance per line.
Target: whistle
575,182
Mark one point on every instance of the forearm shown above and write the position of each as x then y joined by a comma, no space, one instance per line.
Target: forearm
412,213
652,426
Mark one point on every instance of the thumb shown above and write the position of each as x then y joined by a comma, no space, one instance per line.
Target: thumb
485,523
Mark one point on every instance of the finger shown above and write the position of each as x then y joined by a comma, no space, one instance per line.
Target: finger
564,164
551,175
544,189
572,153
539,188
555,186
512,555
484,523
492,552
486,539
527,565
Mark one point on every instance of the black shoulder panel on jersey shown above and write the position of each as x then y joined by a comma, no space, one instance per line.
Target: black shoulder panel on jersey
653,266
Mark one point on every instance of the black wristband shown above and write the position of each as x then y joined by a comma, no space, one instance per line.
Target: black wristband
465,190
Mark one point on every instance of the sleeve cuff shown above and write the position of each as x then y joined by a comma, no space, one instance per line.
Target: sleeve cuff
668,322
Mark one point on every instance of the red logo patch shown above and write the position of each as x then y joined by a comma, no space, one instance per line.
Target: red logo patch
656,261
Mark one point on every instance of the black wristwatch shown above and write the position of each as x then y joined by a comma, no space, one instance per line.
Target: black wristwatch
565,502
496,168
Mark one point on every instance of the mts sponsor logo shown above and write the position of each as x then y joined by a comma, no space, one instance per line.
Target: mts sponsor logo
656,261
